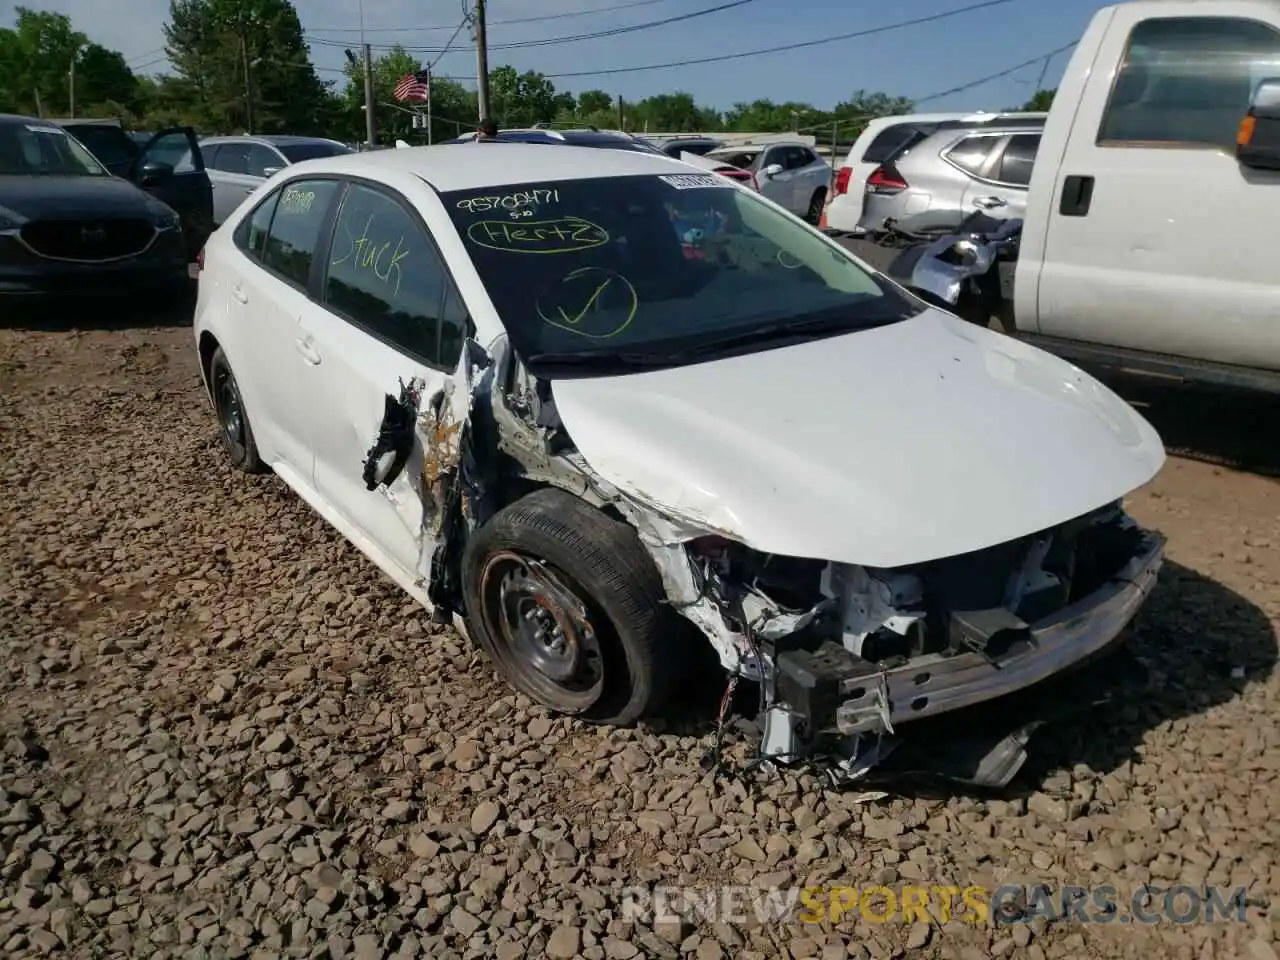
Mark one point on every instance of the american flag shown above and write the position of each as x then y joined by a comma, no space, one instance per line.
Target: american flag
414,86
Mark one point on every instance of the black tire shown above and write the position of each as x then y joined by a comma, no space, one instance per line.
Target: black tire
233,419
523,574
815,205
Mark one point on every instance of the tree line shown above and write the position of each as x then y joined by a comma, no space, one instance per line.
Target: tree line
244,65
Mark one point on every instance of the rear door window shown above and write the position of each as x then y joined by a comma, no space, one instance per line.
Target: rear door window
251,234
972,153
1018,157
295,229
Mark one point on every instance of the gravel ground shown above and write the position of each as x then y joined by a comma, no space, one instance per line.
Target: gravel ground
224,734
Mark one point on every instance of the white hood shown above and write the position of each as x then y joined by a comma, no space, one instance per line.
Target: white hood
923,439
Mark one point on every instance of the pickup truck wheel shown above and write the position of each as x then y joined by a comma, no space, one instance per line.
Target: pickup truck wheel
235,432
570,608
815,205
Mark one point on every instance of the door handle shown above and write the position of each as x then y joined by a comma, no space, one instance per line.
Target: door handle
238,292
989,203
307,347
1077,195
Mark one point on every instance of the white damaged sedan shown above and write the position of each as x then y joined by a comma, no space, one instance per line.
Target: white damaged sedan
594,405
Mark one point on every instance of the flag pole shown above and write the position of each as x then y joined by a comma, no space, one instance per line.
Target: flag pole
428,106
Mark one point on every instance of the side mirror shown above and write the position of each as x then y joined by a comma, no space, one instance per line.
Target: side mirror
1258,139
772,170
270,171
153,172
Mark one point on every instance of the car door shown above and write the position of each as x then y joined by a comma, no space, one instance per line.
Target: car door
279,240
233,181
389,326
171,168
779,187
812,174
1148,242
1002,191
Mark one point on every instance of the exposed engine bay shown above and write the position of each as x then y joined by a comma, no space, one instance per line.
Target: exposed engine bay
845,655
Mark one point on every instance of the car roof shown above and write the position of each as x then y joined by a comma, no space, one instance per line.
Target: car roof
447,168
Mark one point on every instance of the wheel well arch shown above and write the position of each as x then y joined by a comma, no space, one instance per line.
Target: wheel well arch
208,345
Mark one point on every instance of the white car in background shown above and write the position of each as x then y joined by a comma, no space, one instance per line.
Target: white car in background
879,140
238,165
601,403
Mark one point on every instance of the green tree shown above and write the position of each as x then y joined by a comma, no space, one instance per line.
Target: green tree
103,77
453,108
243,64
35,62
1042,100
523,99
671,113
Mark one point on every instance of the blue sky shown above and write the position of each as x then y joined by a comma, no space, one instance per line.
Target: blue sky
914,61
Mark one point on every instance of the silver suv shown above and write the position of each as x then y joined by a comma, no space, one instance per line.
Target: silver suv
237,165
935,179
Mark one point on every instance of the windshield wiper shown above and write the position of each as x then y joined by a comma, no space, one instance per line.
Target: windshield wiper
597,358
822,325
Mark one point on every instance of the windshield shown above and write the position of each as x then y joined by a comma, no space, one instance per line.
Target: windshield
648,267
297,152
42,150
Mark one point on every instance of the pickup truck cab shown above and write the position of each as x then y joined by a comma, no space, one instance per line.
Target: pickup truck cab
1148,240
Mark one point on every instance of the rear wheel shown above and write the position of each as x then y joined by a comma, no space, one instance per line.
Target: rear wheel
815,205
228,404
570,608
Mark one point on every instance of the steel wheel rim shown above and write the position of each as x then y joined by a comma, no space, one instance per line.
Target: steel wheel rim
230,410
542,631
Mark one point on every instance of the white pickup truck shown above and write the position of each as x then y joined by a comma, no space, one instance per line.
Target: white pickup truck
1148,242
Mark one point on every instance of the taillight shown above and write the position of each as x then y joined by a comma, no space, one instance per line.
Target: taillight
842,180
885,179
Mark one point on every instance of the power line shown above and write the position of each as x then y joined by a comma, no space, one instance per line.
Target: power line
553,41
722,58
462,23
542,18
1046,57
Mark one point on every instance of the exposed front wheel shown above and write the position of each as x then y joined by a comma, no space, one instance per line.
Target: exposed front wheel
570,608
233,421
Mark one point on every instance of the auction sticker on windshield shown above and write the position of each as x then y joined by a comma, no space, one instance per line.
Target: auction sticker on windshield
693,181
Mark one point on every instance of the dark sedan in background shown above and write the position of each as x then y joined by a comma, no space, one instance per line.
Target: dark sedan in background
69,226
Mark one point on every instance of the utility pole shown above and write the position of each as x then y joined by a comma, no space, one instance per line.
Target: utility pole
248,87
72,88
370,133
482,61
621,113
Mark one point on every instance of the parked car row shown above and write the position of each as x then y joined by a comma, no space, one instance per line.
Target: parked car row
931,170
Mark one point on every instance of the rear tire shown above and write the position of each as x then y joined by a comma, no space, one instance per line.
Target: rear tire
233,420
816,203
570,608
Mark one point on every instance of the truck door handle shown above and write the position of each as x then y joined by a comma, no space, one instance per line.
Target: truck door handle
988,203
1077,195
306,346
